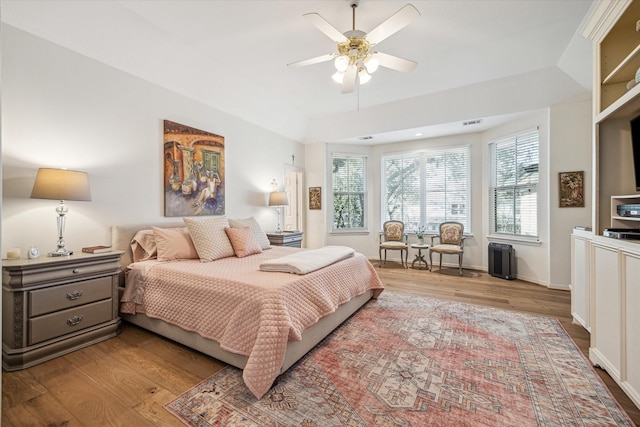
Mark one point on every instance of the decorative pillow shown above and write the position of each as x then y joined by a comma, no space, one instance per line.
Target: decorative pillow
258,232
174,243
143,246
243,241
209,238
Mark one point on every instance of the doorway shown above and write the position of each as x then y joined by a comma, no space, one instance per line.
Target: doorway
293,186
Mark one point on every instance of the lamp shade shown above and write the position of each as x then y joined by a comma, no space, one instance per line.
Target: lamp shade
278,198
61,184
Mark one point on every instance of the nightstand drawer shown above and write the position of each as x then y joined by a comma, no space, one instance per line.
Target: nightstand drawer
52,273
57,298
291,239
65,322
286,238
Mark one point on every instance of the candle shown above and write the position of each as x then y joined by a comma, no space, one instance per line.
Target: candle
13,253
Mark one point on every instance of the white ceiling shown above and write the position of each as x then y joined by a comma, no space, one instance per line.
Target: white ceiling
477,59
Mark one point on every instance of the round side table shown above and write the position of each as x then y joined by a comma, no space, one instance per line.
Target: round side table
419,256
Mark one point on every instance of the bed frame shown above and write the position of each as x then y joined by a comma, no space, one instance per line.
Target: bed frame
121,237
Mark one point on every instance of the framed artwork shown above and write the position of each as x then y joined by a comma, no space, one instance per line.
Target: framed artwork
315,201
571,189
193,171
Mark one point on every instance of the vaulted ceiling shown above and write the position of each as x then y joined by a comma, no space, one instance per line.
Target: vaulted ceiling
487,60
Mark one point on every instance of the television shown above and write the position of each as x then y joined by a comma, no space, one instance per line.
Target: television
635,147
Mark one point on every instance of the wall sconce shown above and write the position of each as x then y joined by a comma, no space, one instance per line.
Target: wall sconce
61,184
278,199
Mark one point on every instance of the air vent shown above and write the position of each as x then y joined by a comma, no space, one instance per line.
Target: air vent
365,138
472,122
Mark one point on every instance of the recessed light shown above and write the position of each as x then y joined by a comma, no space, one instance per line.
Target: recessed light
418,134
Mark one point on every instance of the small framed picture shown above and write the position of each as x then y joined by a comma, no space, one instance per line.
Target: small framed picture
571,189
315,200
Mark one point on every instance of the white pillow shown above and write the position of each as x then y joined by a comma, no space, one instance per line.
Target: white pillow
209,238
258,232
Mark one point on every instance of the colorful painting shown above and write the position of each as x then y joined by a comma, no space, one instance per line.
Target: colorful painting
571,189
193,171
314,198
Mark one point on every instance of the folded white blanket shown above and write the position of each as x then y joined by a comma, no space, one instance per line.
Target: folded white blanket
307,261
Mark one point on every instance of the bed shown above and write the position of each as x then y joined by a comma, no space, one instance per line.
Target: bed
259,321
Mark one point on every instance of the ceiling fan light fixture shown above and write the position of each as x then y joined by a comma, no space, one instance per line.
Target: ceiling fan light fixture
371,64
355,60
341,63
363,76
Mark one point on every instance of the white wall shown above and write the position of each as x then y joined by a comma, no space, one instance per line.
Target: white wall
569,150
62,109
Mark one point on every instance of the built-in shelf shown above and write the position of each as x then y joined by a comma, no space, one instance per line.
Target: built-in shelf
625,218
618,221
604,269
626,70
624,107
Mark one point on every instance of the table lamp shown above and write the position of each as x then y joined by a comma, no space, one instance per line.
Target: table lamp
61,184
278,199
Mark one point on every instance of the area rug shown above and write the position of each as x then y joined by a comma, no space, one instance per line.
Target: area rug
405,360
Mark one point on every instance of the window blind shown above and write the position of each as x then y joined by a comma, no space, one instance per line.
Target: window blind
349,191
427,188
514,185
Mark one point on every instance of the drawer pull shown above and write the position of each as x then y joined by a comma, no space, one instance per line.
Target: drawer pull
76,270
74,320
74,295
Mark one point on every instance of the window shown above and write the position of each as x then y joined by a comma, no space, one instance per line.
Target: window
514,185
427,188
349,180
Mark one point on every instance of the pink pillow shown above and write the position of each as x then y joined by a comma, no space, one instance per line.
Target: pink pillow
143,246
243,241
174,243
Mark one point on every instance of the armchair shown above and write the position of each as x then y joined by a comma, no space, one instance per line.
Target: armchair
450,242
394,238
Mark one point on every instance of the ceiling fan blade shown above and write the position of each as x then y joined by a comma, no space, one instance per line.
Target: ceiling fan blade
395,63
393,24
311,61
349,81
323,25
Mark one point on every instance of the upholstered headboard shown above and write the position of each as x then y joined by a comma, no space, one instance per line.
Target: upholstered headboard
121,236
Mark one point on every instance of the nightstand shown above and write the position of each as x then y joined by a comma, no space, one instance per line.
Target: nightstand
286,238
55,305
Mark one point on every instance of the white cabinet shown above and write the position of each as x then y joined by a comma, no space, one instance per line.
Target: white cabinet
580,277
605,332
631,347
615,341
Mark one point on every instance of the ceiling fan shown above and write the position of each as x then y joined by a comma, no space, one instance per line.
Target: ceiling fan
355,59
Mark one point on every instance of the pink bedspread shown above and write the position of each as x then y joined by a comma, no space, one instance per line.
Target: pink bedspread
250,312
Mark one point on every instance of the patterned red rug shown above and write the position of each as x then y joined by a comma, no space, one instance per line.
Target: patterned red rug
413,361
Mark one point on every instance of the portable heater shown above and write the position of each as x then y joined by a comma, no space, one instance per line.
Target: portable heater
502,261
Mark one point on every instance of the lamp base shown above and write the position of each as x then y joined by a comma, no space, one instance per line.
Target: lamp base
62,252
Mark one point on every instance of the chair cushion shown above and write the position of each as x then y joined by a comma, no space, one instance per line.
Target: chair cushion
450,234
393,245
393,232
447,249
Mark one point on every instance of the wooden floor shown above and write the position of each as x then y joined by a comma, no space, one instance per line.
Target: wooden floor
126,380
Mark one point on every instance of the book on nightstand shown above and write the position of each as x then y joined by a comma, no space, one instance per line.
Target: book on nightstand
96,249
